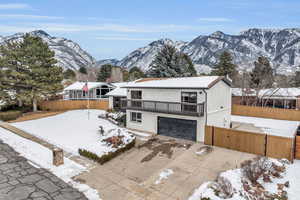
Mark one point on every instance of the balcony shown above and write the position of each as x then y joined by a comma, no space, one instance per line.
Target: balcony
189,109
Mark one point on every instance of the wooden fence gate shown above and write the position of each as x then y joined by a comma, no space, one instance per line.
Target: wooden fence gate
255,143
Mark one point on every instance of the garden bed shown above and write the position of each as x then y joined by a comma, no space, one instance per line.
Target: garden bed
261,178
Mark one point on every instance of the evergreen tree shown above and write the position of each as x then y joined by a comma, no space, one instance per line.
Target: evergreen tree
186,65
225,66
69,74
262,75
171,63
30,70
136,73
83,70
104,72
297,79
125,75
12,76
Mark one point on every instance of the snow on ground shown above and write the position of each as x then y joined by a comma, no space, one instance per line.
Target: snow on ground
164,175
275,127
40,156
234,176
74,130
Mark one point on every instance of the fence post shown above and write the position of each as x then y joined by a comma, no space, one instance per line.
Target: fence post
58,157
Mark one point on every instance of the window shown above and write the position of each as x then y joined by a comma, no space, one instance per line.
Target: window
98,92
136,94
136,117
189,97
189,101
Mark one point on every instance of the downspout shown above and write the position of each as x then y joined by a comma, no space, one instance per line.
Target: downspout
205,111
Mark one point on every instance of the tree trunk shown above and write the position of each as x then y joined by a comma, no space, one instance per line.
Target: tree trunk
34,104
20,103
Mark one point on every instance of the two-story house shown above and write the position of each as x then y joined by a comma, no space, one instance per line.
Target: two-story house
179,107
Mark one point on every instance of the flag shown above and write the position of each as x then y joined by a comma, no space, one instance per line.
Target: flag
85,87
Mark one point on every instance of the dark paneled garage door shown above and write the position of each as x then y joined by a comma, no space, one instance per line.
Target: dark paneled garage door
178,128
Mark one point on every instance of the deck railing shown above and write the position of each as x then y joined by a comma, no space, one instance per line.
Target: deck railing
190,109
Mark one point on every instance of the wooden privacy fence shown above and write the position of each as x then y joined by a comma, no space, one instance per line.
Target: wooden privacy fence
266,112
256,143
73,104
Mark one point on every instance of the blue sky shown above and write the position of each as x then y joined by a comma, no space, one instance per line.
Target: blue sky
113,28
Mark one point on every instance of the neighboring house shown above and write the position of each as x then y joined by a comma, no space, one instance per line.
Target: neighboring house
288,98
179,107
97,90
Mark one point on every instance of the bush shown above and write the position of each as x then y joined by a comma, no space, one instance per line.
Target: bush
254,169
10,115
106,157
223,188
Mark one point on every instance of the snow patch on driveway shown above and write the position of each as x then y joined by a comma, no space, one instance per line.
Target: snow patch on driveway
164,175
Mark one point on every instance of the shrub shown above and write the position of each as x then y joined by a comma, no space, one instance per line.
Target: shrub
10,115
253,169
223,188
106,157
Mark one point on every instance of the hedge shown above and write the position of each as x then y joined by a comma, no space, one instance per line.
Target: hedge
106,157
10,115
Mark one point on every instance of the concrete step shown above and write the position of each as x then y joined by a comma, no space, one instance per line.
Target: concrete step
141,135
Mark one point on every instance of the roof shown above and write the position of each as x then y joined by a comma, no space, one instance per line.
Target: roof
203,82
119,90
79,85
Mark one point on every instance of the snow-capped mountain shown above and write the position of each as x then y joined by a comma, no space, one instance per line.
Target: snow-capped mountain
106,61
68,53
282,47
142,57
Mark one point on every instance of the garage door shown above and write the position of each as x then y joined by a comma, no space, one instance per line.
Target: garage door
178,128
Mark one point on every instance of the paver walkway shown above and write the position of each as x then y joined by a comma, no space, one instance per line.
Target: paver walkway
133,175
19,180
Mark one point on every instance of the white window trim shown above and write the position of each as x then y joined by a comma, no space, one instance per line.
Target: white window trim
137,120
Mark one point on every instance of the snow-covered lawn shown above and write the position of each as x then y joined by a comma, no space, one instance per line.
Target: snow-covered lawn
275,127
242,189
40,156
73,130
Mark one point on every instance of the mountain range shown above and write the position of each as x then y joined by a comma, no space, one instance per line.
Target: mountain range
68,53
281,46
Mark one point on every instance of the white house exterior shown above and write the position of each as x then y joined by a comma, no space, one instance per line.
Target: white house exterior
116,95
179,107
96,91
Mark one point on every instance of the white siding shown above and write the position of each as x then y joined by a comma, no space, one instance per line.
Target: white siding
168,95
110,102
218,108
149,122
219,105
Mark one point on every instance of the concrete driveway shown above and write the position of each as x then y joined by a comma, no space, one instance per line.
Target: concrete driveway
132,175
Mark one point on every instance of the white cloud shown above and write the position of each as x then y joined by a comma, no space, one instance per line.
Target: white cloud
124,38
20,16
61,27
214,19
11,6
